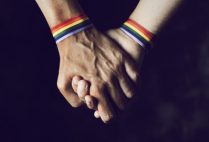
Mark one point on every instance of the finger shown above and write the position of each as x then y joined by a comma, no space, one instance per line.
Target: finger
126,84
104,107
90,102
82,89
64,85
96,114
117,94
132,71
75,81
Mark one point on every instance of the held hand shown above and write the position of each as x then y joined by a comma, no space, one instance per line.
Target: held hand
100,61
132,49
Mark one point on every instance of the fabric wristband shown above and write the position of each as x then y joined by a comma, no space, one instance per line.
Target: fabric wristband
70,27
138,33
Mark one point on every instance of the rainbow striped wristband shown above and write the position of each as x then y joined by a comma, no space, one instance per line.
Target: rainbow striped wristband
138,33
70,27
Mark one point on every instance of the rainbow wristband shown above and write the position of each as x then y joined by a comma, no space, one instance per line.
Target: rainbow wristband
70,27
138,33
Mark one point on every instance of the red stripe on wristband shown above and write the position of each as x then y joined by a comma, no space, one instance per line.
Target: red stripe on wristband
67,22
141,28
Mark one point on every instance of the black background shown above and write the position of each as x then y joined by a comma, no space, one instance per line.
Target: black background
174,100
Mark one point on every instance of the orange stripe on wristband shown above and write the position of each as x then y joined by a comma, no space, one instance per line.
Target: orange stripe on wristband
70,27
138,33
67,22
140,28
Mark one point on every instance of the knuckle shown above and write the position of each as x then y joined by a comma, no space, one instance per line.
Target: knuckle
129,93
75,104
61,86
108,118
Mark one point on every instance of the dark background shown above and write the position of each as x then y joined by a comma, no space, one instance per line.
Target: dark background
174,100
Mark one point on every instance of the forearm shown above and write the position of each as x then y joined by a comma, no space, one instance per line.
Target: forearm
57,11
152,14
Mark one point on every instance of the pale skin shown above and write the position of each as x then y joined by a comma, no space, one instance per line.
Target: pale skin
102,66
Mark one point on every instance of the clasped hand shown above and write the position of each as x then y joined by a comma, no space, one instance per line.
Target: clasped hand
100,70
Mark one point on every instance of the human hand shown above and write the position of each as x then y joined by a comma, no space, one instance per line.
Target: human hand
136,54
100,61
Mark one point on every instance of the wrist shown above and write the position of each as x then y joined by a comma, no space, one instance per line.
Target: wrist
138,33
56,11
148,22
60,16
70,27
130,46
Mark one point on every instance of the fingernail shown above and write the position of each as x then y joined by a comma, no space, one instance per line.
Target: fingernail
82,89
76,79
96,114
